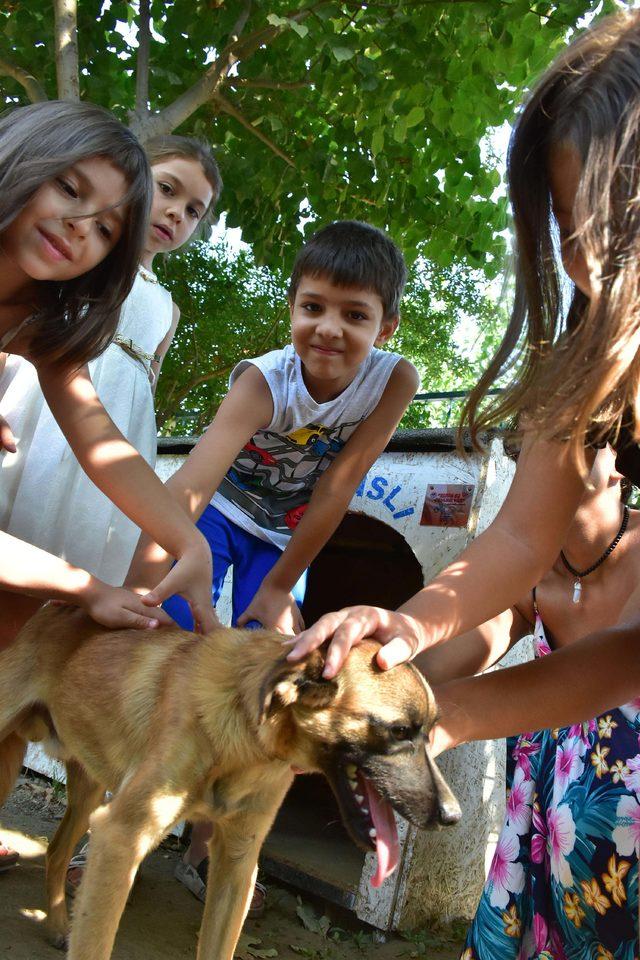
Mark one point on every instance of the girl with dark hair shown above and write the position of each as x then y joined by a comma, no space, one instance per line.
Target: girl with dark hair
77,521
74,199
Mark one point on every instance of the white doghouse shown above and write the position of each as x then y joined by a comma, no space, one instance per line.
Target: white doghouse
388,546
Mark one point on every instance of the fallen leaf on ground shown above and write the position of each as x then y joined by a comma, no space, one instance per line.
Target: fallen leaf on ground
251,949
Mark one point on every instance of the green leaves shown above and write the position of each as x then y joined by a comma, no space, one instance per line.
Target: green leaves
342,53
379,107
414,117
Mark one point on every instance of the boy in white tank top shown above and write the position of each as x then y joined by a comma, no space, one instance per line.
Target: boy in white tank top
308,421
273,476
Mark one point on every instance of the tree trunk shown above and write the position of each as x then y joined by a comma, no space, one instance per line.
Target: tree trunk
66,40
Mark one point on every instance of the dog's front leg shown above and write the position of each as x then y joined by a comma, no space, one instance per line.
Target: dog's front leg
121,836
233,858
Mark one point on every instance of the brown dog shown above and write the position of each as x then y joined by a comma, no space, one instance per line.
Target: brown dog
180,726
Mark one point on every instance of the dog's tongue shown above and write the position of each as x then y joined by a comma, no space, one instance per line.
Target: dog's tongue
387,847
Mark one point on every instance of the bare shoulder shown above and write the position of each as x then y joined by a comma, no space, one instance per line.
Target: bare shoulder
404,373
250,393
633,537
251,379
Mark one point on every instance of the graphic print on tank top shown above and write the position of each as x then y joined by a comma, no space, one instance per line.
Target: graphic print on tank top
273,475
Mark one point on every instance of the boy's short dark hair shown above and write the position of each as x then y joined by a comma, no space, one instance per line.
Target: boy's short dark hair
354,254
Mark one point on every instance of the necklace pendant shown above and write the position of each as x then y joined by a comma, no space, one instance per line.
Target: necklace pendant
577,591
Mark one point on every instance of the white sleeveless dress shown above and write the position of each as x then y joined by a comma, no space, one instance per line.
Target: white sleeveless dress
45,496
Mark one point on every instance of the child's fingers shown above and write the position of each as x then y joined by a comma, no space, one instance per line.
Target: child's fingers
145,619
117,608
398,650
163,618
7,439
204,618
171,584
298,622
138,622
318,634
352,631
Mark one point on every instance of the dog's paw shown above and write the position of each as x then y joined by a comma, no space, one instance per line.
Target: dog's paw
58,940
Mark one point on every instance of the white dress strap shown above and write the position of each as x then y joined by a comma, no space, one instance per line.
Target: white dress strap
11,334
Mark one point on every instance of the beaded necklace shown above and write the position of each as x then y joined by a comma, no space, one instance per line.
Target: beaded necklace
580,574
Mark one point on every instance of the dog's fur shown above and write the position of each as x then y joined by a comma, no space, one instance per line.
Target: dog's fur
180,726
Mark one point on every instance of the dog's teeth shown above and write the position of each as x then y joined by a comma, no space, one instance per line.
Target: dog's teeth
351,771
359,797
373,833
365,809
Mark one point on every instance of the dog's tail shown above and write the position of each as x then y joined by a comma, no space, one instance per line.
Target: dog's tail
12,751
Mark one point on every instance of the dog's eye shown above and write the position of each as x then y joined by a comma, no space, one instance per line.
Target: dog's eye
399,732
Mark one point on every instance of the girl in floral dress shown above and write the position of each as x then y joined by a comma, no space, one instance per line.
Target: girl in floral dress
563,883
573,380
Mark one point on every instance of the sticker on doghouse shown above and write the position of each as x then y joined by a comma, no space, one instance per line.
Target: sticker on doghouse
447,505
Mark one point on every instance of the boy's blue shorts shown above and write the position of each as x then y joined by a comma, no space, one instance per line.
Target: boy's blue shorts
250,557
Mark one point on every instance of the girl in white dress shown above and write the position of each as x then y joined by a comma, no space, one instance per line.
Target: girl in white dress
75,190
46,498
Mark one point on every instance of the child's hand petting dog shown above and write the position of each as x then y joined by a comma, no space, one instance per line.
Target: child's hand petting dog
190,577
116,607
7,439
402,637
275,609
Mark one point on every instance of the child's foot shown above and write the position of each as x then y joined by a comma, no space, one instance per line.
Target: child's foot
75,870
8,857
195,880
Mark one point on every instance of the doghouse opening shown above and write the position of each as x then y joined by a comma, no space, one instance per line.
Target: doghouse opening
365,561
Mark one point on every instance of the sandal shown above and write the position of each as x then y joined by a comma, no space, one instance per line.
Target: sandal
8,857
195,880
75,870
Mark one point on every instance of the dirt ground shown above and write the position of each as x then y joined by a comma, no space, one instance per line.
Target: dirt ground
162,918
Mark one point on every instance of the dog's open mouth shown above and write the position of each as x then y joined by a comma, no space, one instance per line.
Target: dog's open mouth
370,819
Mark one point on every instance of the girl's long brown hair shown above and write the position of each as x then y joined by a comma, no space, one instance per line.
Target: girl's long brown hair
576,373
76,319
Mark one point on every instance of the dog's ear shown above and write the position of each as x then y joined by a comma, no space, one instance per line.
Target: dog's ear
449,811
301,683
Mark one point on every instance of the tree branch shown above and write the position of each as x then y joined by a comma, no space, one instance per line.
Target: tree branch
266,84
182,394
204,89
199,93
240,23
142,59
27,81
66,45
229,108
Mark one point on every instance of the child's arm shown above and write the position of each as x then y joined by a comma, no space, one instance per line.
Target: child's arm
247,407
27,569
569,686
162,349
122,474
475,651
273,604
498,568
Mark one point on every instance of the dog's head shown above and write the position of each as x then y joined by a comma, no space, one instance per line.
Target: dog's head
366,732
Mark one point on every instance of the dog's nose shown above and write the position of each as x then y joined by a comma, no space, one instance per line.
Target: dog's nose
449,812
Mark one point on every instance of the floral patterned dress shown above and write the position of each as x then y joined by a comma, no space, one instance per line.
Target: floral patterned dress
563,884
